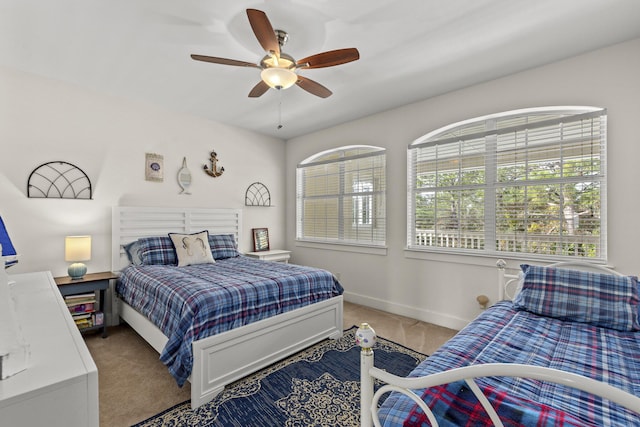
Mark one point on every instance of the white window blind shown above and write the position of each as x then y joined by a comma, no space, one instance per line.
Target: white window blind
523,182
340,196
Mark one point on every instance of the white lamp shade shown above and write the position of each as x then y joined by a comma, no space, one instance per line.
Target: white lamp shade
77,248
279,78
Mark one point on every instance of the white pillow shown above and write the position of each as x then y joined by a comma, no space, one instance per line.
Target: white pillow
192,248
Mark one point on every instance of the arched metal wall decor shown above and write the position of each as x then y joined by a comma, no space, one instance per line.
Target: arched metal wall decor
257,195
59,180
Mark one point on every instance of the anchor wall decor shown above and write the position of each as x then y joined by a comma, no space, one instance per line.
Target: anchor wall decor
215,170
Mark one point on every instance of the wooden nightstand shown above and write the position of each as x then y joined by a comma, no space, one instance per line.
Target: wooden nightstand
277,255
79,295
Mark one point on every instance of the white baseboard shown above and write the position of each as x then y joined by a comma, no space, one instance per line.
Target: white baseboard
429,316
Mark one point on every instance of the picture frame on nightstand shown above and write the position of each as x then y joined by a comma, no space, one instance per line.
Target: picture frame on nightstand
260,239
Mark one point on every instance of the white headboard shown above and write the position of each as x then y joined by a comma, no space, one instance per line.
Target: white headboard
131,223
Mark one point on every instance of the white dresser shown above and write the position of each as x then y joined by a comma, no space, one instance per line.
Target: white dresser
60,385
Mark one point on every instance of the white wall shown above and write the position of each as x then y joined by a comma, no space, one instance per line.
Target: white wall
442,289
43,120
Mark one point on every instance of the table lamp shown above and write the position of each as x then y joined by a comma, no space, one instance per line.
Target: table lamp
76,250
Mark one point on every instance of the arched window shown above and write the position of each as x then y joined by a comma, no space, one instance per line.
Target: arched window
340,196
529,182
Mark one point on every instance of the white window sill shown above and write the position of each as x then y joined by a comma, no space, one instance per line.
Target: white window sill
488,259
344,247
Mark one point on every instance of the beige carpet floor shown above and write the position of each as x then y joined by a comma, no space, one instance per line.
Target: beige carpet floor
134,384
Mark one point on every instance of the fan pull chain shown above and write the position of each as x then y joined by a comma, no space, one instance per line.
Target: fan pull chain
279,109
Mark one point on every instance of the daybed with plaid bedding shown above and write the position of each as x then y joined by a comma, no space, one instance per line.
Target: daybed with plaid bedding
572,321
193,302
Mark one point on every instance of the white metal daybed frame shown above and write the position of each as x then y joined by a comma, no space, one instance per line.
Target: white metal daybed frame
220,359
369,373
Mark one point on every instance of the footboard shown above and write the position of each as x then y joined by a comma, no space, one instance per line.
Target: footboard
369,400
224,358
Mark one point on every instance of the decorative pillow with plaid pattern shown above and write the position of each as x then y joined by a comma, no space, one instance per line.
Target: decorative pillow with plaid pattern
223,246
600,299
157,251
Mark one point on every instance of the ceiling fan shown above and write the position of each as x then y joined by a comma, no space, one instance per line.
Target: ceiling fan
279,70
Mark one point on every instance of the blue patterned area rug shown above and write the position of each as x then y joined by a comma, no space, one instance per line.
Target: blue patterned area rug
319,386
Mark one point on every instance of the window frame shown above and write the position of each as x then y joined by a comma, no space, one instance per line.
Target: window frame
363,211
476,129
346,193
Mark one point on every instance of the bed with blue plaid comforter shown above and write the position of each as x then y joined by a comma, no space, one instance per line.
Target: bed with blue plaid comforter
504,335
197,301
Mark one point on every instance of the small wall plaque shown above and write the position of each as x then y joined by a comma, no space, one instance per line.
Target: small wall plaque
154,167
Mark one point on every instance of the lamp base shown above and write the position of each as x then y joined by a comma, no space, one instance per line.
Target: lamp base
77,270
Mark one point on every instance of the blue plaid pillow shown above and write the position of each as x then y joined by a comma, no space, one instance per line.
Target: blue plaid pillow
157,251
223,246
604,300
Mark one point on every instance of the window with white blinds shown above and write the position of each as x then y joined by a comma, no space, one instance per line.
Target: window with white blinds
522,182
340,196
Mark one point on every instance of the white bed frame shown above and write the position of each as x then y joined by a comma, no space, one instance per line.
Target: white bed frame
406,386
220,359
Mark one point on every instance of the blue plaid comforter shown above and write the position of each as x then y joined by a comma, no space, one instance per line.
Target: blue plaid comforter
194,302
504,335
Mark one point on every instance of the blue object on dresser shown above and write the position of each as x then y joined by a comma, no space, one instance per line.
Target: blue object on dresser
7,249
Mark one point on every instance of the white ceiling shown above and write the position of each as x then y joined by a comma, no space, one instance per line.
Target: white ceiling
409,49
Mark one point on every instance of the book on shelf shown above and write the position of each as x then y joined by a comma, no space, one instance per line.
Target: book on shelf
70,301
88,320
84,322
98,317
82,308
80,296
81,316
80,303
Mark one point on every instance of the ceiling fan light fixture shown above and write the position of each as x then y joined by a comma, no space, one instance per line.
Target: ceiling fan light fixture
279,70
279,78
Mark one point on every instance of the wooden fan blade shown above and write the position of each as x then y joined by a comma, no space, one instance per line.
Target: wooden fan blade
224,61
259,89
313,87
264,31
330,58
